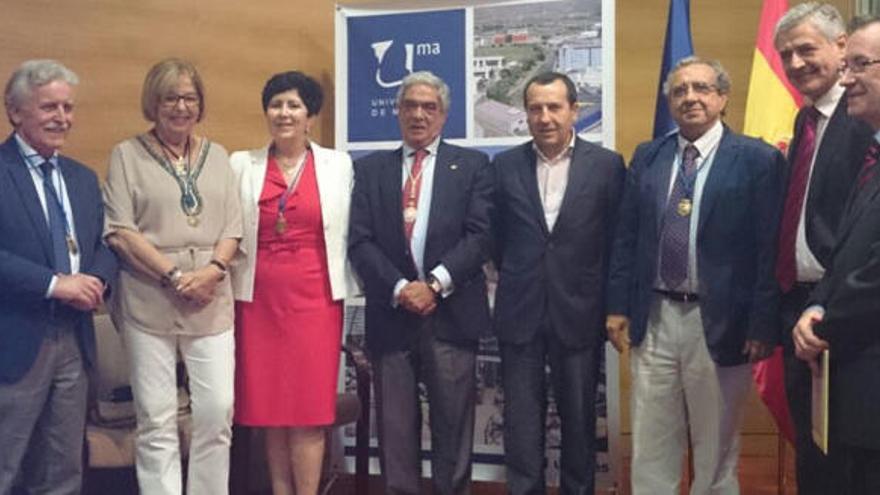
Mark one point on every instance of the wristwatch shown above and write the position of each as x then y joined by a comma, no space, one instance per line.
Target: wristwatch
435,285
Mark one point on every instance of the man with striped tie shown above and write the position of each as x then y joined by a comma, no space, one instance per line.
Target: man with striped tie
843,313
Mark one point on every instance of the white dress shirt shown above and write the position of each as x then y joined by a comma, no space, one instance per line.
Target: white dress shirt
552,175
420,227
808,267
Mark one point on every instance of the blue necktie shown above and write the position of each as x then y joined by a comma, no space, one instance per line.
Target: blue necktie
57,221
677,223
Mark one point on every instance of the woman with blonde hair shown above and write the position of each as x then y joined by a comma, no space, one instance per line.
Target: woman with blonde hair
173,215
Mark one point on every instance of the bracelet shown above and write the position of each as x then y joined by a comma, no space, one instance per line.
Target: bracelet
171,278
220,266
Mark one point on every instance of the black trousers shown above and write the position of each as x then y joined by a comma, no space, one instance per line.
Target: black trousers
856,470
448,371
812,467
573,378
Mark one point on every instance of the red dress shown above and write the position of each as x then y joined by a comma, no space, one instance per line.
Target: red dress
288,338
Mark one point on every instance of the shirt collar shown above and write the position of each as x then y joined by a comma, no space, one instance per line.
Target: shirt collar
431,148
31,157
705,143
564,154
828,102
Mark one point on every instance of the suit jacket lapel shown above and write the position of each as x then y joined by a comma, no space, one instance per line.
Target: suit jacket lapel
392,194
259,162
577,176
659,174
858,202
21,177
325,175
723,164
529,178
441,190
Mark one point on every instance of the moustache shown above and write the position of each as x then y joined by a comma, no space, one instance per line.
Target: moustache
684,107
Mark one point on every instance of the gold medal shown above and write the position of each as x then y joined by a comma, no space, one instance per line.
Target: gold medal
71,245
280,225
192,220
410,213
684,207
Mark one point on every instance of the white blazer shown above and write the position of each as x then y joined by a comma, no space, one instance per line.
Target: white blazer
335,177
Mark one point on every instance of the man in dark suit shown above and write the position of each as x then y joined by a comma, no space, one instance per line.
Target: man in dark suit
419,235
54,269
843,311
824,159
691,287
556,200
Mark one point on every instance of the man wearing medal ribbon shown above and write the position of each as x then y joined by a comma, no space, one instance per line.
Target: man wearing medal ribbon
419,235
54,270
691,286
557,197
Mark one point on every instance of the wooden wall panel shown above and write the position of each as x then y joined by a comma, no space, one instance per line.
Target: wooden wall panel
112,44
238,45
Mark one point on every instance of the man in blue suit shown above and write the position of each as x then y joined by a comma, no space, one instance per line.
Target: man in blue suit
54,270
419,235
691,287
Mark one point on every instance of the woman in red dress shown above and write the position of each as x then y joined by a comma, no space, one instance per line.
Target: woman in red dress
290,289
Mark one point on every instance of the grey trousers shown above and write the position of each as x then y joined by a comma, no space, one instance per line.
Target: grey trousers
448,372
42,421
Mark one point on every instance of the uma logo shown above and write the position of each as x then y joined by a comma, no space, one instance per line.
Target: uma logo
380,49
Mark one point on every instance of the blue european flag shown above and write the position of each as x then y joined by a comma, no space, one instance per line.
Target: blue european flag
678,45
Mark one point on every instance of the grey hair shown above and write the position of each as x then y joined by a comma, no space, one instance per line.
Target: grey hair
32,74
429,79
861,22
722,78
824,17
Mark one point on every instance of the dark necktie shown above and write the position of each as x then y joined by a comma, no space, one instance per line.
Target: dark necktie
869,168
786,268
411,189
677,222
57,221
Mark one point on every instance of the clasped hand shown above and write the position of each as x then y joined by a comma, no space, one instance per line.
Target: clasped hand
417,298
197,286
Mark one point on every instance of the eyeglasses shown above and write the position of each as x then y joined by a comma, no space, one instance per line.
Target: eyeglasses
857,66
697,87
190,100
429,107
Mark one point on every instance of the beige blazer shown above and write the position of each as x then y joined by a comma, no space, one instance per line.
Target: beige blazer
335,177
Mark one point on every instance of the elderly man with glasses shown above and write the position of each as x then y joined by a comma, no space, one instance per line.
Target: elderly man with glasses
691,288
843,312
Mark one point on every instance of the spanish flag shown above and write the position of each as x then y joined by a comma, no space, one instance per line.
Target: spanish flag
772,102
771,106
